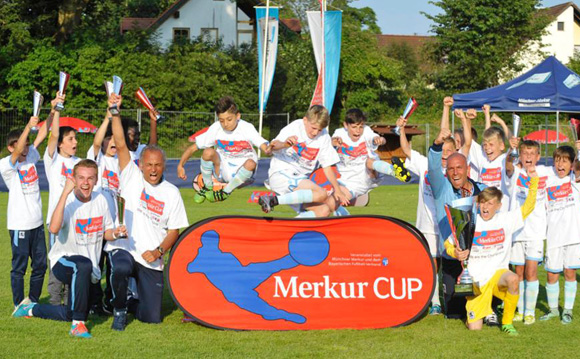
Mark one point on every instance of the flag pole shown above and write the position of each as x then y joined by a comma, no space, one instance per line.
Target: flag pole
323,62
263,79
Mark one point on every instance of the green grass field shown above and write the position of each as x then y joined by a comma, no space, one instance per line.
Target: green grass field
431,337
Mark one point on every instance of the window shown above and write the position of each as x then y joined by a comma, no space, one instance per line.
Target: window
209,34
560,26
180,34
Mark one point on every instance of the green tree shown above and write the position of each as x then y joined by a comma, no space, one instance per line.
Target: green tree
478,41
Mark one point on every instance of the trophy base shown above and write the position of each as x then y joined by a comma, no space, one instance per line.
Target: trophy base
464,290
114,110
59,107
160,119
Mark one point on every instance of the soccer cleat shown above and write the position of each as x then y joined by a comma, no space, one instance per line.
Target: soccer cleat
199,196
23,310
119,319
401,173
553,313
267,203
491,320
509,329
435,310
216,196
529,319
518,317
567,316
80,330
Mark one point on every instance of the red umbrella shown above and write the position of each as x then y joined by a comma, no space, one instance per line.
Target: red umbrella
81,126
540,136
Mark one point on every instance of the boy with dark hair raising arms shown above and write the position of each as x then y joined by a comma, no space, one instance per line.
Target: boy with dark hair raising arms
228,151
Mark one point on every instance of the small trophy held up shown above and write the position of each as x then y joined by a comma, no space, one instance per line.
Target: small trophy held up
36,105
516,122
142,97
575,127
116,88
461,218
62,84
411,106
121,213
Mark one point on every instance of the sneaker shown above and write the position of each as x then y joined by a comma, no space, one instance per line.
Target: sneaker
566,316
518,317
199,196
23,310
119,319
401,173
267,203
491,320
435,310
216,196
509,329
553,313
97,309
529,319
80,330
107,308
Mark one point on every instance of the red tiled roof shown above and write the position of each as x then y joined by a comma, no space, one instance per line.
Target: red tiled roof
292,24
135,23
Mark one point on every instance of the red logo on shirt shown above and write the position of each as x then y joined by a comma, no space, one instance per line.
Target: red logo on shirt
524,182
488,238
153,205
491,174
66,172
305,152
112,179
234,146
28,176
89,225
358,151
558,192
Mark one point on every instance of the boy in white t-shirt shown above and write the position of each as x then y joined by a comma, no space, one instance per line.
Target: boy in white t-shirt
297,150
528,243
489,256
24,211
82,220
359,165
563,234
228,152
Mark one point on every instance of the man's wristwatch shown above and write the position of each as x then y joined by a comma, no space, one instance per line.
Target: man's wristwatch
161,250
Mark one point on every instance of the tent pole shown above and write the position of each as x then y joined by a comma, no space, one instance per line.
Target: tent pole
546,144
452,122
557,129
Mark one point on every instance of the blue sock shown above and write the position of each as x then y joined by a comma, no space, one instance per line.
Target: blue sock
553,292
521,299
569,294
306,214
383,167
206,168
531,297
341,211
241,177
296,197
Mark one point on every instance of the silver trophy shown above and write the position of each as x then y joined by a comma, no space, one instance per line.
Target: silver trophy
516,122
462,221
121,213
62,84
117,87
411,106
36,106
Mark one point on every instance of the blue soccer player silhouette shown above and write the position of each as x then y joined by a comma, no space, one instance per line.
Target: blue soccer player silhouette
238,282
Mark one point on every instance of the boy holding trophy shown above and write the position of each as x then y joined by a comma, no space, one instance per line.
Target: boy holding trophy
489,255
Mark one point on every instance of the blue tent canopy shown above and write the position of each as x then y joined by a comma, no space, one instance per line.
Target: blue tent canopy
548,87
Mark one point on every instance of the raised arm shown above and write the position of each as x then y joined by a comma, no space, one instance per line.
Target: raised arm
21,143
405,145
153,128
447,103
509,160
495,118
55,128
102,131
119,135
436,177
58,214
184,158
486,112
470,115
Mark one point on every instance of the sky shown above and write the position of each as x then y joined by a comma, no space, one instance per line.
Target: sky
405,18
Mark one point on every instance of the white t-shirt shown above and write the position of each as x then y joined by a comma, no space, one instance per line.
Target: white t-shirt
24,203
426,210
353,156
491,246
150,211
563,209
491,173
58,169
535,224
302,157
135,155
83,229
233,147
108,171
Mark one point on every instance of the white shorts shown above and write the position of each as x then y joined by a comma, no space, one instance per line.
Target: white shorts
357,189
433,242
229,168
283,182
563,257
526,250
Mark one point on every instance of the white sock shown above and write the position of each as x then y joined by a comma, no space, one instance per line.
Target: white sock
569,294
522,296
206,168
241,177
341,211
383,167
75,322
531,294
435,299
306,214
553,292
296,197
